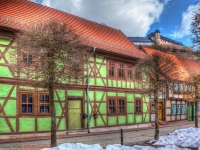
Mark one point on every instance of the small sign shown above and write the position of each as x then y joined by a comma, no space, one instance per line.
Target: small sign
152,117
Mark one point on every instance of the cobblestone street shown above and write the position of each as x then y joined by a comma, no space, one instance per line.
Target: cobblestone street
103,139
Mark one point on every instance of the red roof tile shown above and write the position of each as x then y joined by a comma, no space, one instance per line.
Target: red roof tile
18,13
191,66
182,69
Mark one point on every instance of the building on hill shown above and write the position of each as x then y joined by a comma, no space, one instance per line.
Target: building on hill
117,96
154,38
162,43
173,104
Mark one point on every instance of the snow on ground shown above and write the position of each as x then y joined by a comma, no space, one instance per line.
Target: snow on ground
189,137
80,146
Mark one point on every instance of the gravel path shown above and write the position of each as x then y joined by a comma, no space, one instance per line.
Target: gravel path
103,139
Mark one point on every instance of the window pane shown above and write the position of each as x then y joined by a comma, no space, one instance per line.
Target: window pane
23,98
23,108
121,110
29,108
41,98
41,108
129,74
122,102
178,109
183,109
113,110
111,71
25,58
46,98
29,59
47,109
119,102
29,98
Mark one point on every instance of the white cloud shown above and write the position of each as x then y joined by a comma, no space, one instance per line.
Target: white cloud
133,17
185,27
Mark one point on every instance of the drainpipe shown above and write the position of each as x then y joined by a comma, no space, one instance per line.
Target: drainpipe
87,92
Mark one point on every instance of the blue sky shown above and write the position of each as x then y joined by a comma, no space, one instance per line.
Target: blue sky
172,23
134,17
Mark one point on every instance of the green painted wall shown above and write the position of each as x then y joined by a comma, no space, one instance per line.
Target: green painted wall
26,124
44,124
97,99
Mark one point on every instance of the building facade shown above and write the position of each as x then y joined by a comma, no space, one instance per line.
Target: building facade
116,96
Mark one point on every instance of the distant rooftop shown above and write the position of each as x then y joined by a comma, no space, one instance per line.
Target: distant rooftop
140,39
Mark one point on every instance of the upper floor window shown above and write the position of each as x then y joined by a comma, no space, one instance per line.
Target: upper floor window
138,105
129,72
111,69
27,58
121,72
138,75
26,103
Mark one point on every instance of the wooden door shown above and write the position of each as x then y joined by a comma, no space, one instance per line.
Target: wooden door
190,112
160,111
74,114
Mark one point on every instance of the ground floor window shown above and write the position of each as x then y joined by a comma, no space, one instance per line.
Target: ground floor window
198,105
30,103
44,107
116,106
178,109
138,105
26,101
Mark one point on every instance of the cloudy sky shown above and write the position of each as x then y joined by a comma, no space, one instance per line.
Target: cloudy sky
134,17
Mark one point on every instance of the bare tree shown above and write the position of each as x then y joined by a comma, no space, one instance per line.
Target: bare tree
192,93
195,28
160,69
49,54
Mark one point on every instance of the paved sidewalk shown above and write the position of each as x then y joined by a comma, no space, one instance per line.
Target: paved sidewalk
104,138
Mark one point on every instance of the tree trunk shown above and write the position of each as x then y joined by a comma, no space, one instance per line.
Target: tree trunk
53,116
156,136
196,105
196,114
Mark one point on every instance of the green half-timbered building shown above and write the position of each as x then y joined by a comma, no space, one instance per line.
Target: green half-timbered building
116,92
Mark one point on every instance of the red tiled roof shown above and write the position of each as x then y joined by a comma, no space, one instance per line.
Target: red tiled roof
182,69
191,66
20,13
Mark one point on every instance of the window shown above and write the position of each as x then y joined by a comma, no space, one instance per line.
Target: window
183,109
112,106
138,105
116,106
138,75
129,72
173,108
27,58
121,71
111,69
75,62
26,103
44,105
178,110
198,105
121,106
152,107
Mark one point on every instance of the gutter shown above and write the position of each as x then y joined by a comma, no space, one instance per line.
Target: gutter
87,91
